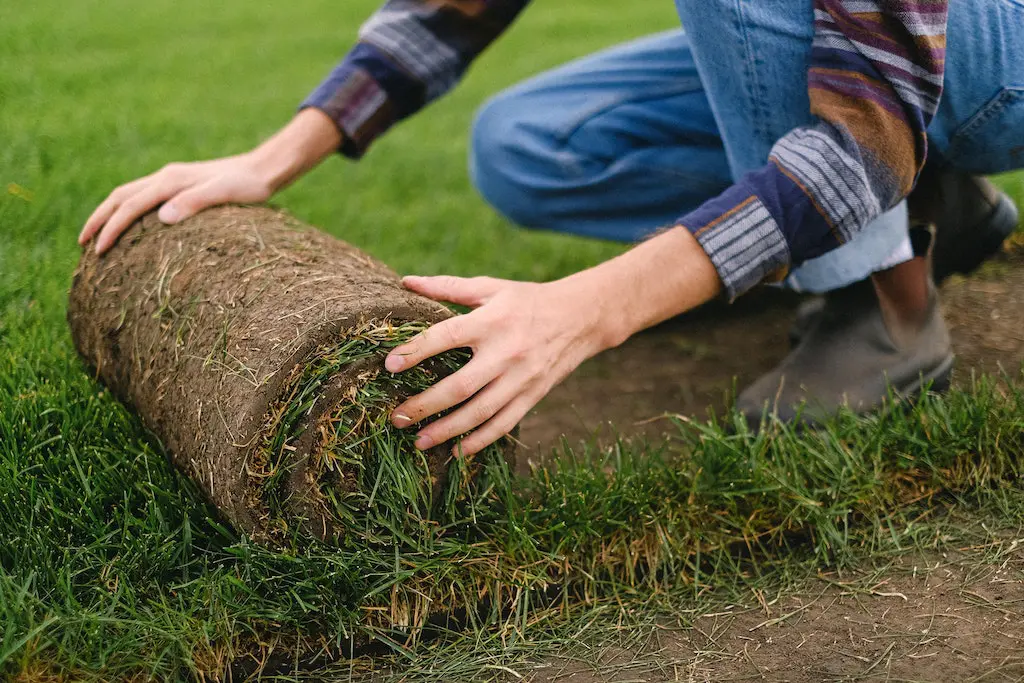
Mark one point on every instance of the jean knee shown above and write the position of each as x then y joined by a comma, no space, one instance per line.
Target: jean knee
505,160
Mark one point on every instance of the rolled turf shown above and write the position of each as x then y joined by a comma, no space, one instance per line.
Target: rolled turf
253,347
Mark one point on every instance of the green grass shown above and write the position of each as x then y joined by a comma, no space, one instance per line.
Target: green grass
111,565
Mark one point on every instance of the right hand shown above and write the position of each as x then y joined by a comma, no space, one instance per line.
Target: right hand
183,189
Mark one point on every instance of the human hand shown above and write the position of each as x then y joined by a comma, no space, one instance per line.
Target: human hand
183,189
186,189
525,337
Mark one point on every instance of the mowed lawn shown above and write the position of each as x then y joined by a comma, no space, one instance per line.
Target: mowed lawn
110,565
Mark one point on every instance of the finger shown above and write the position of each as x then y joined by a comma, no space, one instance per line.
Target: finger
472,292
444,336
102,213
498,426
130,211
479,410
449,392
192,201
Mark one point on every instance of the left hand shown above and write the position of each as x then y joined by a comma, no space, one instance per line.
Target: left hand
525,337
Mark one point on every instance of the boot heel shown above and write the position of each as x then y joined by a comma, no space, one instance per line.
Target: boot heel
940,380
941,385
1001,223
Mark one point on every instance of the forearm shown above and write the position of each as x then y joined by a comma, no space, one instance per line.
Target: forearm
302,144
409,54
658,279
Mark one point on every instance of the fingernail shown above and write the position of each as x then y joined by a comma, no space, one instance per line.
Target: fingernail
411,280
394,363
424,442
401,421
168,213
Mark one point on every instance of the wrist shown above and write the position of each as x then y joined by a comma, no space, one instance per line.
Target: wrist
593,296
273,170
295,149
663,277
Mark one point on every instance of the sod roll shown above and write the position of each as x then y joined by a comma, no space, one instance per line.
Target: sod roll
252,346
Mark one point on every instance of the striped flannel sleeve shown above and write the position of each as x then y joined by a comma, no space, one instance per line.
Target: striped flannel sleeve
875,80
409,53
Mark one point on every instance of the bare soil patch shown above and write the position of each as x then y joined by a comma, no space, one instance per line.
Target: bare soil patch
696,363
938,618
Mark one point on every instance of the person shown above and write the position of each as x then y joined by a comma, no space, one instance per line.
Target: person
800,142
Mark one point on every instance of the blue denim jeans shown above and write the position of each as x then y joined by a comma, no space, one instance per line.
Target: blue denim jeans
624,142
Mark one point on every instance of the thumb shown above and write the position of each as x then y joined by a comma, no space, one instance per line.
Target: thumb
472,292
190,202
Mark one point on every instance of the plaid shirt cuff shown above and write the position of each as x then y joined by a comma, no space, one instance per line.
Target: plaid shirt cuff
743,242
357,104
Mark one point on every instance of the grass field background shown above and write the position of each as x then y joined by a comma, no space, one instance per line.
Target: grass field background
109,563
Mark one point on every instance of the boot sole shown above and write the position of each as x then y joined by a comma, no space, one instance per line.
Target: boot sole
937,380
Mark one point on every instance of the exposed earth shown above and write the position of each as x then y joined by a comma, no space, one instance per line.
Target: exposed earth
694,364
948,618
938,619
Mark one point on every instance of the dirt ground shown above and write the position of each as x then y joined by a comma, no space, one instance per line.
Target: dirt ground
695,363
934,619
937,619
